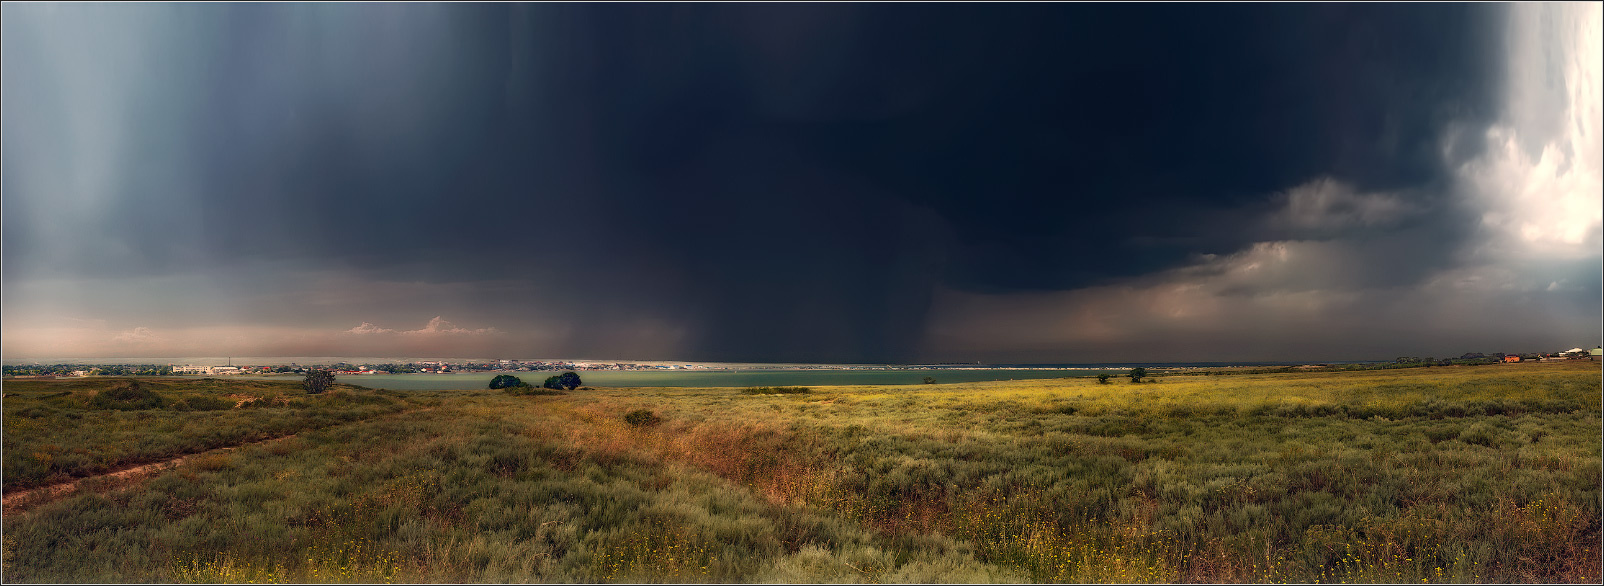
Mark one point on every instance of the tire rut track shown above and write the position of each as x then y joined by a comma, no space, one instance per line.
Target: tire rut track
25,500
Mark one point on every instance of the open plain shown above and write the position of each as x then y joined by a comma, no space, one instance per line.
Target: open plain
1456,474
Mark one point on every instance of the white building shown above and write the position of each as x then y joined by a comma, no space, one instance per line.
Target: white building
191,369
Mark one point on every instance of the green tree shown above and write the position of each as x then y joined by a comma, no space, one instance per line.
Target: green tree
930,380
567,380
1137,374
317,380
1102,379
503,381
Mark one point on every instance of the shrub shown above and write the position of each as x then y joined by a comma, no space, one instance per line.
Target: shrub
1137,374
930,380
1442,432
1102,379
127,396
568,380
317,381
503,381
1480,434
642,418
523,388
775,390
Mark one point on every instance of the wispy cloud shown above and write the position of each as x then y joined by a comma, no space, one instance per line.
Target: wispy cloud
437,326
1327,205
139,335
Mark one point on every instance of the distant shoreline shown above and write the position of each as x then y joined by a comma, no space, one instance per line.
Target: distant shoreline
669,365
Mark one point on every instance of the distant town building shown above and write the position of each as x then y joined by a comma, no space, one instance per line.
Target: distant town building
192,369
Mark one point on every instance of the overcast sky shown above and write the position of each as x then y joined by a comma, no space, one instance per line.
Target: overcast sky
801,183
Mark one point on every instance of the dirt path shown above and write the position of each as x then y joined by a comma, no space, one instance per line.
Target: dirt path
22,501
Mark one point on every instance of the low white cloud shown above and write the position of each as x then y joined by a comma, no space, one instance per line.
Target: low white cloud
1539,186
81,340
1550,205
1326,205
139,335
367,328
439,326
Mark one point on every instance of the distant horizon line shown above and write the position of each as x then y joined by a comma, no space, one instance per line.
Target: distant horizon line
357,360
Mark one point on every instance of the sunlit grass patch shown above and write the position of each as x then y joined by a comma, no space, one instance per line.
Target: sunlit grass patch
344,562
654,549
776,390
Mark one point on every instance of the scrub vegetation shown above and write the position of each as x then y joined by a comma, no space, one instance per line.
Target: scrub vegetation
777,390
1461,474
60,430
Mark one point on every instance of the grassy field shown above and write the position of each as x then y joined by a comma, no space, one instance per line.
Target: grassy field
1460,474
54,432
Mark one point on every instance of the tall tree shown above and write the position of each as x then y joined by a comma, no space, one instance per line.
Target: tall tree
317,380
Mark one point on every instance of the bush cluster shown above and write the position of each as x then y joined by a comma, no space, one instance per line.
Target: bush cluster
503,381
568,380
642,418
525,389
775,390
317,381
127,396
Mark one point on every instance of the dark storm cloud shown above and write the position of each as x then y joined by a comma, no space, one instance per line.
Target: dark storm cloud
819,168
785,182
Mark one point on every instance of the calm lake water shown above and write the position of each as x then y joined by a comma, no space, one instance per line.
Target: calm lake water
693,378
